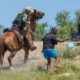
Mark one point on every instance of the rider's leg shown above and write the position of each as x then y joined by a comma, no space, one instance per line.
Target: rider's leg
30,40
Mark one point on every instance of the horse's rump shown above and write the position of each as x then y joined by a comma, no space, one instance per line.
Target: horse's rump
18,34
11,41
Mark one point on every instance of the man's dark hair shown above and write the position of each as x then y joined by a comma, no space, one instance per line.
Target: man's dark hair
54,30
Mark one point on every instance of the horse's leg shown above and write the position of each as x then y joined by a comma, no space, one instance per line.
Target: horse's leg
26,54
2,51
1,61
11,56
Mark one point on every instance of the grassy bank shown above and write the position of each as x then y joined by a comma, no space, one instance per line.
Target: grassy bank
70,71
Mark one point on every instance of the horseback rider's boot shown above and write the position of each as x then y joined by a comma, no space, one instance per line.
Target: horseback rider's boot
30,41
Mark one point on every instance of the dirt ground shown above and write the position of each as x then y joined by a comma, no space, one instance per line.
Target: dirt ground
35,59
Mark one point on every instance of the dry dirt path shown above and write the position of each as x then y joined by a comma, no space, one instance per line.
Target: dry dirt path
35,59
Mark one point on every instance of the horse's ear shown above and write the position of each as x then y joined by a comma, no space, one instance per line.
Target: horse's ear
35,11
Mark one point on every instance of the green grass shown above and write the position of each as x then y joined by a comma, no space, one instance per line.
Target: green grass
68,65
37,75
41,74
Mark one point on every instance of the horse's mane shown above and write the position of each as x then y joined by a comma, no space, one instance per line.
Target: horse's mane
5,30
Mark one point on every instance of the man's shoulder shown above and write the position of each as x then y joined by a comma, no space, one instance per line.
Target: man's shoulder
51,34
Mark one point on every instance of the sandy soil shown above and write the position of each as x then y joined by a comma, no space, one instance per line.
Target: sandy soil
35,59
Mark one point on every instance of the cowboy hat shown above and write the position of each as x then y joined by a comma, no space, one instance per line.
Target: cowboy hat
29,8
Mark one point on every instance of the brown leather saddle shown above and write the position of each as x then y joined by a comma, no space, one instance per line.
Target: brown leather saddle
18,34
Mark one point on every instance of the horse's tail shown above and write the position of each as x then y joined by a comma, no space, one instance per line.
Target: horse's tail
5,30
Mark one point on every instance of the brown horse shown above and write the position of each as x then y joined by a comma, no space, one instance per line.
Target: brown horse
9,40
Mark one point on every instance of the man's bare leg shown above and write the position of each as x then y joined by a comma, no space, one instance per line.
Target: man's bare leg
49,64
57,62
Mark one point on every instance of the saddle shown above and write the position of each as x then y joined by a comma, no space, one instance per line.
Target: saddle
19,36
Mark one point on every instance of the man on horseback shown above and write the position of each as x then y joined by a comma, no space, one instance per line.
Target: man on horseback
21,24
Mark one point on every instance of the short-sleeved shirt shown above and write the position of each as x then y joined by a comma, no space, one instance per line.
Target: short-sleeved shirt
49,40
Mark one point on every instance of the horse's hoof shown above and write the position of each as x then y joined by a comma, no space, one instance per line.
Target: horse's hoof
33,48
11,68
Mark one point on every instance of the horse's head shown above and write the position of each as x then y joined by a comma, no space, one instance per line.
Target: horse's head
35,15
38,14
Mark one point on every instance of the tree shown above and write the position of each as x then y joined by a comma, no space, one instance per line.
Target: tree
1,29
77,20
77,13
62,18
40,31
63,23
